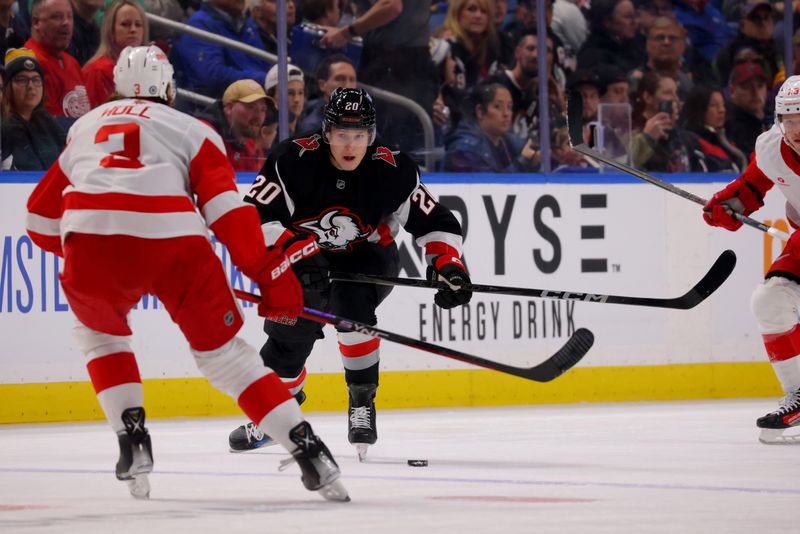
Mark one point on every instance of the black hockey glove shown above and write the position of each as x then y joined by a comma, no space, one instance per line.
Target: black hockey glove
451,271
308,265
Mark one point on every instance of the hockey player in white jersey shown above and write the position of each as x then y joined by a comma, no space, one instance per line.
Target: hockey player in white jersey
776,301
128,204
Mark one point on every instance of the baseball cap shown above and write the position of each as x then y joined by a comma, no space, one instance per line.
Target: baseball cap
746,71
748,8
20,59
245,91
294,74
584,77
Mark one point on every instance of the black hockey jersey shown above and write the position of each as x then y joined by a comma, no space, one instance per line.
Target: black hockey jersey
300,190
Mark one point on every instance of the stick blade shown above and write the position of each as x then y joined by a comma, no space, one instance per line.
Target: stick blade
565,359
714,278
575,118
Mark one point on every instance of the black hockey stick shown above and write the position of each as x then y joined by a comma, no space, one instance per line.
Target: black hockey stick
565,358
575,129
712,280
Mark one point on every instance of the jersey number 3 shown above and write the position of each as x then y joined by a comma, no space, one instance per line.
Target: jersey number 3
128,157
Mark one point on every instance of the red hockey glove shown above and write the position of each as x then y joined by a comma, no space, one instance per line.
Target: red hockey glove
451,271
308,265
281,294
737,197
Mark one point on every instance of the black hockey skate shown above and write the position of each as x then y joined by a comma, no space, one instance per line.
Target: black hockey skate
775,424
135,453
249,437
320,471
361,429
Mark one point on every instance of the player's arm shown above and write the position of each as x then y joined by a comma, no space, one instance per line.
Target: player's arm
438,232
236,225
44,210
743,195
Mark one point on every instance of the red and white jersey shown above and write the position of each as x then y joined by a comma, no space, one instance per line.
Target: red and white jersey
139,168
781,165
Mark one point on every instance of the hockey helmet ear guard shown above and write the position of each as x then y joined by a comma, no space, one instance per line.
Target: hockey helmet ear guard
144,72
349,108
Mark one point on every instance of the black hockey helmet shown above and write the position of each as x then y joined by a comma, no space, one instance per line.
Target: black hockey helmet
350,108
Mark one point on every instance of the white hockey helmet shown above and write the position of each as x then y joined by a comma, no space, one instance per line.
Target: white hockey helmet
788,98
143,71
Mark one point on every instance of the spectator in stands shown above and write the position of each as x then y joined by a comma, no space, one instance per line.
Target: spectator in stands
322,12
473,39
665,45
334,71
238,118
587,83
396,57
612,38
658,143
86,33
569,24
31,138
12,29
124,24
746,114
268,132
755,32
614,86
295,92
51,32
265,15
210,68
707,29
482,141
704,117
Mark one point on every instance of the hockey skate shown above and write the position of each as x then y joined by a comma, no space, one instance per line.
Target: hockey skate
135,453
361,429
320,471
775,425
249,437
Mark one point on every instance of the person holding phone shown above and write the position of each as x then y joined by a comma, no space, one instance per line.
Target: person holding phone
658,143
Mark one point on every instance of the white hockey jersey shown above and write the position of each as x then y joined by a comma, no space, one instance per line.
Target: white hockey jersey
776,160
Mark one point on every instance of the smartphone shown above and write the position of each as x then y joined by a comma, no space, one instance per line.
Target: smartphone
665,106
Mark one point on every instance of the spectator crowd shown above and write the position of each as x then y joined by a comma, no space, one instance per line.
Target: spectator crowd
667,85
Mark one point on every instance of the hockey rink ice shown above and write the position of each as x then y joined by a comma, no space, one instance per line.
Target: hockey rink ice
671,467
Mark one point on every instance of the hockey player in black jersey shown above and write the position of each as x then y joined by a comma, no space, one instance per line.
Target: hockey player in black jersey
336,198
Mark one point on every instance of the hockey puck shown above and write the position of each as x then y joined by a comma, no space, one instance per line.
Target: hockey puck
418,463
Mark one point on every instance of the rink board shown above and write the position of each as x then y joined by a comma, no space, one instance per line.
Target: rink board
600,234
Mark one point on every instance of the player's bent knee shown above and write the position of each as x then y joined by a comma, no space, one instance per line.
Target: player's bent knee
774,304
232,367
94,344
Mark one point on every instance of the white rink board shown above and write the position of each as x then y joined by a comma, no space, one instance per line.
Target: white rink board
655,244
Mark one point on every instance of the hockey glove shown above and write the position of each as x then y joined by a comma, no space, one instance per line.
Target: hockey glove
281,294
308,265
450,270
737,197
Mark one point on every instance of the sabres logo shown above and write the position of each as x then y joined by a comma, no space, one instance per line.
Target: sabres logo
336,229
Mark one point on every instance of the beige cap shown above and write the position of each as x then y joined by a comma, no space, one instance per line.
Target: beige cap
245,91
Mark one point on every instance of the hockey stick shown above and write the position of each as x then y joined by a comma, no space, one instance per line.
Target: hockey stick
712,280
575,129
565,358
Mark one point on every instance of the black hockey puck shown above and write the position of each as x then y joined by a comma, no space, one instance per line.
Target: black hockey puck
418,463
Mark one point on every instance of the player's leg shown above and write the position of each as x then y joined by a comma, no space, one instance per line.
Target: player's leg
195,291
101,304
286,350
361,353
775,306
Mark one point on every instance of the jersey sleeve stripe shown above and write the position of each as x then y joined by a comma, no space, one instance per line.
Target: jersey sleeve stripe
127,202
43,225
273,233
210,173
439,240
220,205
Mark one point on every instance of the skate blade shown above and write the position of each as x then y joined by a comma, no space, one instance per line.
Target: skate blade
139,486
269,443
778,436
361,449
334,491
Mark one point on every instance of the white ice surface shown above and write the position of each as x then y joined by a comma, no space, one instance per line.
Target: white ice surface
675,467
